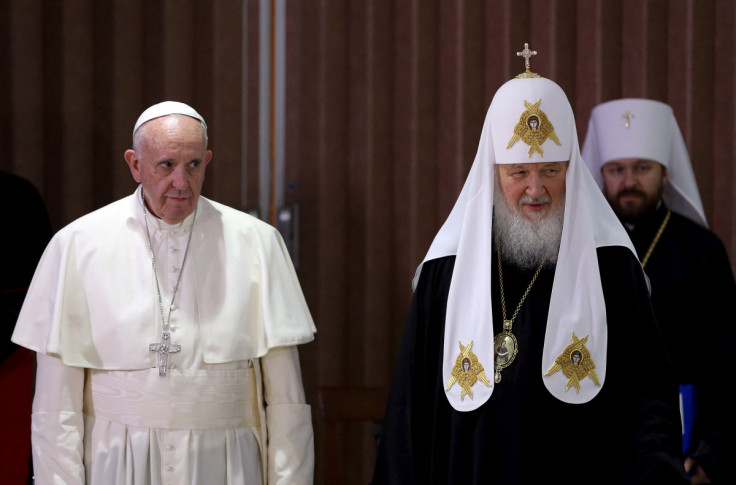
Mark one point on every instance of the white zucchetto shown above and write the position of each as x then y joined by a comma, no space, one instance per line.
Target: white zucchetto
166,108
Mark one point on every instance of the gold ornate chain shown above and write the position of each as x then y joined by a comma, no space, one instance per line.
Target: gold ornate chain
528,289
654,243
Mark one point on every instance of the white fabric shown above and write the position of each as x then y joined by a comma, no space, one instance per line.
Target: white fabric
94,288
234,393
577,303
652,134
199,425
166,108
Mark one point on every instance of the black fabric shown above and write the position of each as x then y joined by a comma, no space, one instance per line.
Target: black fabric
27,232
629,433
692,292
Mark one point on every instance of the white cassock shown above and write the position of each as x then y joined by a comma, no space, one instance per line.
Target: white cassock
232,408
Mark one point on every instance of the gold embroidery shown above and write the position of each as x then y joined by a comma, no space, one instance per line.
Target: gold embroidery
533,129
575,363
467,371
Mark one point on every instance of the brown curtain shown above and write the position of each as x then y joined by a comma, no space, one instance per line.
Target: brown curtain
385,102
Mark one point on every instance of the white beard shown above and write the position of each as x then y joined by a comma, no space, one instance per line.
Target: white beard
527,243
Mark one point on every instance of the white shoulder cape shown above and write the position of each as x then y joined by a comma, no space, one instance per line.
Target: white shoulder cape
92,303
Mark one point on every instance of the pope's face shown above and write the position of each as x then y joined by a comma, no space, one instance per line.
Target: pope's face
633,186
533,189
169,160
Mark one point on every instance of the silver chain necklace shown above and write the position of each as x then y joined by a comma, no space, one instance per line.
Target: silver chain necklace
164,348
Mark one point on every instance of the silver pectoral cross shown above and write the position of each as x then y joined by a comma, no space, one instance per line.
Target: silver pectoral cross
164,348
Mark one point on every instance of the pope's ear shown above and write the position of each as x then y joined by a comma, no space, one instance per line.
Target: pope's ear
134,163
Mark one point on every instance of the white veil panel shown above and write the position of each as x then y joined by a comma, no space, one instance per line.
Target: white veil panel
577,303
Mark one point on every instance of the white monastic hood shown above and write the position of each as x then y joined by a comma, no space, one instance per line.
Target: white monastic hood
577,303
644,128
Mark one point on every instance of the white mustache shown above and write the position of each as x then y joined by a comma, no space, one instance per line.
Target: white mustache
528,199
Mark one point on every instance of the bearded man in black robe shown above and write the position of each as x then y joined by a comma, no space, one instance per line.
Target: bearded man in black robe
534,283
636,152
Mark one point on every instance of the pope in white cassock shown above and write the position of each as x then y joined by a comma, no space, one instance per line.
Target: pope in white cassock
165,326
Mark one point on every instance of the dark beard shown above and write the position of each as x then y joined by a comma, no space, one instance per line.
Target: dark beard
631,213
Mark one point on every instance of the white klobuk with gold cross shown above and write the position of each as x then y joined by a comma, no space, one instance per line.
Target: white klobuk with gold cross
576,305
646,129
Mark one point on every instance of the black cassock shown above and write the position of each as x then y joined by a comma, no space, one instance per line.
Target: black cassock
629,433
693,293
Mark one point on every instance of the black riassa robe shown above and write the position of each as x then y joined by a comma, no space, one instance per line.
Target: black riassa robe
693,292
629,433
